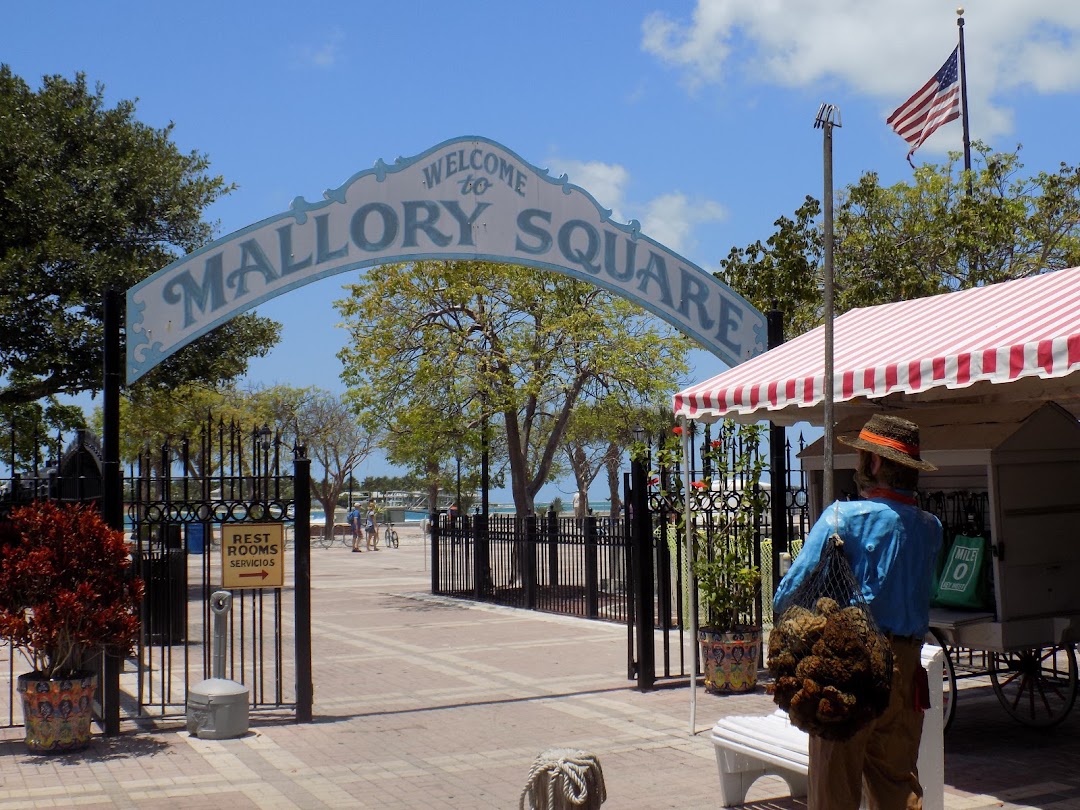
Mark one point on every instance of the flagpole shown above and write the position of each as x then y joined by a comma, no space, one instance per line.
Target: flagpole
963,98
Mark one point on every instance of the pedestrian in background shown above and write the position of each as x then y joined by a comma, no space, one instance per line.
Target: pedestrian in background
370,532
353,519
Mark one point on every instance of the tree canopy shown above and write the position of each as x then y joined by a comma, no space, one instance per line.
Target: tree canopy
319,420
439,349
336,443
915,239
36,431
92,199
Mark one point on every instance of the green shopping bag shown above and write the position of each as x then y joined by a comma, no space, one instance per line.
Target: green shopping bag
964,582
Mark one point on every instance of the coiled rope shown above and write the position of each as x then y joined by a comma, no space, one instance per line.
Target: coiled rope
564,779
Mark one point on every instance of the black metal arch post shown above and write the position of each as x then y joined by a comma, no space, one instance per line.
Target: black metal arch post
305,687
112,500
777,466
641,566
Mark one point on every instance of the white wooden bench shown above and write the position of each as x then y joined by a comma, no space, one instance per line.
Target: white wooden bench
749,747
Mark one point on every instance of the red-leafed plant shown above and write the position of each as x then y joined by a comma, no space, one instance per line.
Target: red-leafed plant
66,590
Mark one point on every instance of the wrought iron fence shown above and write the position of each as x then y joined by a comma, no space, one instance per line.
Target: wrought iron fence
573,566
578,566
71,473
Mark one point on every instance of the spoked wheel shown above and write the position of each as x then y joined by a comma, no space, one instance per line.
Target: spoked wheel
948,679
1035,686
390,536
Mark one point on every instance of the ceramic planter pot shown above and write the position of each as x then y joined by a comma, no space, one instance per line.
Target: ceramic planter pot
57,712
730,659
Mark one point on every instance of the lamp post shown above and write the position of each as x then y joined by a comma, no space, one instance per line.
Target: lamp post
828,116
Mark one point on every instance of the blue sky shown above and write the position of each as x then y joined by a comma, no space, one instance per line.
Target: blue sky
695,118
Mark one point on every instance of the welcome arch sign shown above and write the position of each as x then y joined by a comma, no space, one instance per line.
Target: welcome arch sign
467,198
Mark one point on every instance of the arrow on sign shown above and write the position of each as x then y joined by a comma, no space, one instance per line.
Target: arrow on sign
264,574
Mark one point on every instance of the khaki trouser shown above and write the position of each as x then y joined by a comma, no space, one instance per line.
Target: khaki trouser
882,757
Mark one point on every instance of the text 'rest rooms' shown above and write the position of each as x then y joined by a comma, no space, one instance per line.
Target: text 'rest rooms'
251,550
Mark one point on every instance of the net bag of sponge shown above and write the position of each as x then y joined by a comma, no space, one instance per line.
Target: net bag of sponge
831,665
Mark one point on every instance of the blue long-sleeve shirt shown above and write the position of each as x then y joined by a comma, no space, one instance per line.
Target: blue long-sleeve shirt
892,548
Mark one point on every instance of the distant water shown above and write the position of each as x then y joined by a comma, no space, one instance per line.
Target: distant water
413,516
508,509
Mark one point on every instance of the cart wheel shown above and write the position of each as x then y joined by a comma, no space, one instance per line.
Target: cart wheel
948,680
1035,686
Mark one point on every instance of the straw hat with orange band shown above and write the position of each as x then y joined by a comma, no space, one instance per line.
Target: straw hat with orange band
892,438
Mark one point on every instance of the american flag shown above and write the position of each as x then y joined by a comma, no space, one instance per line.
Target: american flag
935,103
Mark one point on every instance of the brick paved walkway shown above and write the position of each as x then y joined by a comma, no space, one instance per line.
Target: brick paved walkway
427,703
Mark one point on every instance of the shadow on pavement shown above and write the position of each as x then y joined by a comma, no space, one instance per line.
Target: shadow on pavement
102,749
989,752
439,707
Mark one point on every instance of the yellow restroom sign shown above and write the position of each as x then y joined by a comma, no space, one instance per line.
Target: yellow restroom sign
253,555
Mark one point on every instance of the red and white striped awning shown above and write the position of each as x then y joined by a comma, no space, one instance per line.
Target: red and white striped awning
999,333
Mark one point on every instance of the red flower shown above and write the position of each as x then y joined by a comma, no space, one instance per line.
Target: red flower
677,430
717,444
654,481
697,484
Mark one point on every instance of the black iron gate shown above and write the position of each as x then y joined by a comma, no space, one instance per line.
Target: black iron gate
725,476
228,475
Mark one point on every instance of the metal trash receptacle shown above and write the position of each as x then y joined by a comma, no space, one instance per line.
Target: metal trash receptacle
196,537
217,709
164,576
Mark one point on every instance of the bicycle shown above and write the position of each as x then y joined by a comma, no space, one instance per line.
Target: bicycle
319,536
345,537
390,536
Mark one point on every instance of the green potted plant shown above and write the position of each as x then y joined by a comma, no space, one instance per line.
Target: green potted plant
728,585
66,595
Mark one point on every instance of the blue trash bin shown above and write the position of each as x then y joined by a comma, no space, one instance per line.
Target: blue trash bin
196,533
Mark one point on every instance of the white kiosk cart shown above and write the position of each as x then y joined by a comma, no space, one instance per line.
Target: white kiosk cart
1014,479
989,374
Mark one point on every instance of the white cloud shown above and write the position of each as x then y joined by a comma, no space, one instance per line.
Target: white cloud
323,56
701,45
605,181
670,219
879,48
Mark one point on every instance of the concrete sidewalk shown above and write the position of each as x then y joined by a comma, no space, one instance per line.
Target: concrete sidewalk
429,703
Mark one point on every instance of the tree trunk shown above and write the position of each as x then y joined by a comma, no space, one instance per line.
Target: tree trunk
519,488
329,507
612,466
433,488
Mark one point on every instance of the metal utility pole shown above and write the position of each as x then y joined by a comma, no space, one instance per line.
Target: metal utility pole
828,116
